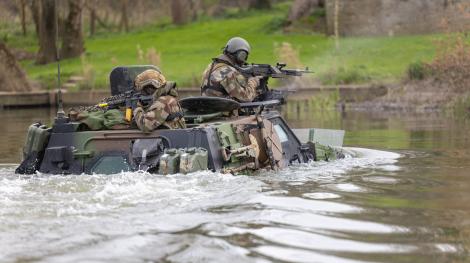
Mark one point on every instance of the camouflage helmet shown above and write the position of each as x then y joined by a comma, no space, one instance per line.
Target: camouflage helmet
236,44
150,77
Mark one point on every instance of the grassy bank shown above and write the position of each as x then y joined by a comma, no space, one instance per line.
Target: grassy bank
184,51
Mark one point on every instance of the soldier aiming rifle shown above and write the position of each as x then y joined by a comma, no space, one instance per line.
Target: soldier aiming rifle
229,76
152,104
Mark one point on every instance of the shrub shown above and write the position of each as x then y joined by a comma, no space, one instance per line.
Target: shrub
288,54
418,70
343,76
140,54
451,66
452,63
319,12
154,57
276,24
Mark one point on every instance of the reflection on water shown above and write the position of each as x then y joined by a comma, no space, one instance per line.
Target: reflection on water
15,123
400,196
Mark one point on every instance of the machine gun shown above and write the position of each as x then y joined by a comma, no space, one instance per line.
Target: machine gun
129,99
267,71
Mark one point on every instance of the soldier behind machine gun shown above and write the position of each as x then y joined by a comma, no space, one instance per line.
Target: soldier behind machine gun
229,76
165,111
152,104
222,78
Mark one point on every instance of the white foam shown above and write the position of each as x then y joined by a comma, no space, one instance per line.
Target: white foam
372,154
348,187
321,195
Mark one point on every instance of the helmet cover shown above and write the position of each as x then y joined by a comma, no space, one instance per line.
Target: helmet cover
150,77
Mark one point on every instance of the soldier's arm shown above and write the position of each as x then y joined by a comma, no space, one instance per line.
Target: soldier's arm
205,76
149,120
239,86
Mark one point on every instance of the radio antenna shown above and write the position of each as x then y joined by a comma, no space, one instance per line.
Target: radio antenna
60,108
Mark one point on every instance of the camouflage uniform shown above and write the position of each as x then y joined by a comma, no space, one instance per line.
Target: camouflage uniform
226,81
165,111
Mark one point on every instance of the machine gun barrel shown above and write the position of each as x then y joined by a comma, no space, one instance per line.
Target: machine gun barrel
269,71
295,72
266,71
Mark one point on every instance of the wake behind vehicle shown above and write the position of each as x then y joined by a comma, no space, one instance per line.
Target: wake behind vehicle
222,135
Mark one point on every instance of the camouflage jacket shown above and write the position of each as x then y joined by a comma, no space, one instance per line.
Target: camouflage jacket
164,113
226,81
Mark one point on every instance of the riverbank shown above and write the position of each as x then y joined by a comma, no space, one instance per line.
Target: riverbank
183,52
411,97
343,93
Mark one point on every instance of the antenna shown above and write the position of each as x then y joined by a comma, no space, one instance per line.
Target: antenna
60,108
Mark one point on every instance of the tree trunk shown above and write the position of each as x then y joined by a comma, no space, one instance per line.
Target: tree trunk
124,16
260,4
184,11
336,24
35,13
177,12
23,16
47,33
72,41
12,77
92,21
93,7
301,8
194,6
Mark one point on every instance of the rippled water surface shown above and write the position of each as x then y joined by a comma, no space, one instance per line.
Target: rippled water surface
402,195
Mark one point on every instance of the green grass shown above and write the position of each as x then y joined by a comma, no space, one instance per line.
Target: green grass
383,59
186,50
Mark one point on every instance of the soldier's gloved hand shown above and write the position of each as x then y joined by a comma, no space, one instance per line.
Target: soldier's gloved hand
138,111
254,81
261,85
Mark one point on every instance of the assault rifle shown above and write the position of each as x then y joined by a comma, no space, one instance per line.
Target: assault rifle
129,99
267,71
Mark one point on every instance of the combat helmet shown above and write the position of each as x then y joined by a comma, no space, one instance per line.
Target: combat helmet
238,48
149,78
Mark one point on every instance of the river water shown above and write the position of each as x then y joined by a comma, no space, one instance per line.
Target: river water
402,196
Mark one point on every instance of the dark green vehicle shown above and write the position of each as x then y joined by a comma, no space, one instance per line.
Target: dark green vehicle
222,135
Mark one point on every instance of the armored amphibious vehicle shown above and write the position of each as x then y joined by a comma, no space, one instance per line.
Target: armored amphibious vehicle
221,135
